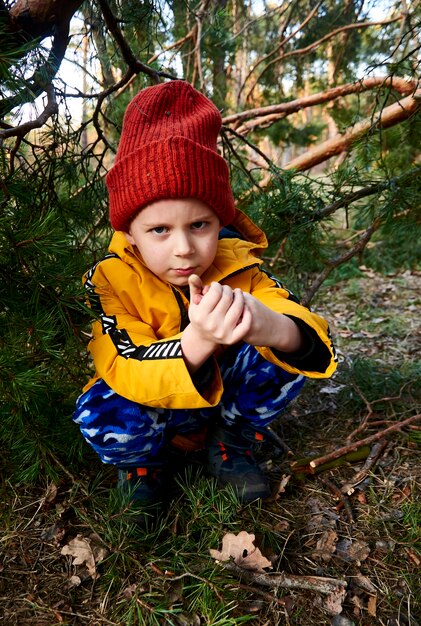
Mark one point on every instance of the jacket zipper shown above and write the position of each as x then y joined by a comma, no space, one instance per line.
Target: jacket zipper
243,269
184,315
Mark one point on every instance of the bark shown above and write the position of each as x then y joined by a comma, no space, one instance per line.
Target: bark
33,19
390,116
401,85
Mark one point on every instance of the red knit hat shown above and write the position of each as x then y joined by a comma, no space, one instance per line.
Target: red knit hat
168,150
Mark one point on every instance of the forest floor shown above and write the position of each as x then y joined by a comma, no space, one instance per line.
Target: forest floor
327,555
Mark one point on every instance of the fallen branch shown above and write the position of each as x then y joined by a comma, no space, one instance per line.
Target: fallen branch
302,467
314,463
288,581
263,594
371,460
401,85
389,116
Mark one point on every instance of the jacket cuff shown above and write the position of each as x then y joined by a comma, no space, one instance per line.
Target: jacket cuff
204,376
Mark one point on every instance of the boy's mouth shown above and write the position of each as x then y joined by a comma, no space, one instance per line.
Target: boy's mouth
184,271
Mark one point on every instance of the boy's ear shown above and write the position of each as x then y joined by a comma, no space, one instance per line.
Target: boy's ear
129,238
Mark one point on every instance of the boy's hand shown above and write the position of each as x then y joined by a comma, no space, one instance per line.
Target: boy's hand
269,328
218,316
217,312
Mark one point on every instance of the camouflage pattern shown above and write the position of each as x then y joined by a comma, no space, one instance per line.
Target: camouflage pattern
126,433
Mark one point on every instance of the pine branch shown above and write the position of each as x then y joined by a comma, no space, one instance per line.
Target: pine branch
364,192
332,263
279,46
134,64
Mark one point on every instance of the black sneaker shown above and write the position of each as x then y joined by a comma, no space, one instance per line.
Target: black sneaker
231,462
146,485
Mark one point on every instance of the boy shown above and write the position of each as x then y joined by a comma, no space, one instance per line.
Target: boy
191,333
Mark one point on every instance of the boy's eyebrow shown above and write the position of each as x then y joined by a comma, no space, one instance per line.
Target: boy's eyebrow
159,222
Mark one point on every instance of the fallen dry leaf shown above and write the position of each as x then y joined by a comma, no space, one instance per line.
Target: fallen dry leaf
401,495
413,557
371,606
281,487
353,551
326,545
81,551
50,494
358,604
281,526
364,583
358,551
242,549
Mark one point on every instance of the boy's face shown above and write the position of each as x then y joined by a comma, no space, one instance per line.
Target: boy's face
176,238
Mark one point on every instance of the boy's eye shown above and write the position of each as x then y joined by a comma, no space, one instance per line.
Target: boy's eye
198,225
159,230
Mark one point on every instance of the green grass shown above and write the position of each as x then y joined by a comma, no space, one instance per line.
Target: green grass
160,572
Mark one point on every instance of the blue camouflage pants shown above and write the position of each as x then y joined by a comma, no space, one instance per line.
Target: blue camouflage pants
126,433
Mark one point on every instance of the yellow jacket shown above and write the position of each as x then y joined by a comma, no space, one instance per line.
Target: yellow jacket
136,337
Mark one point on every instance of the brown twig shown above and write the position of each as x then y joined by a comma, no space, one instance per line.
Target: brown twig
346,256
231,148
370,410
248,143
267,596
370,462
363,442
197,70
341,497
288,581
50,109
177,44
279,252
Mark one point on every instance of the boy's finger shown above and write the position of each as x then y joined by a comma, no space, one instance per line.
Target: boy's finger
195,286
235,311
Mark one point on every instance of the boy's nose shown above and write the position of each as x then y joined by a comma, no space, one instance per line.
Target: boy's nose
183,245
